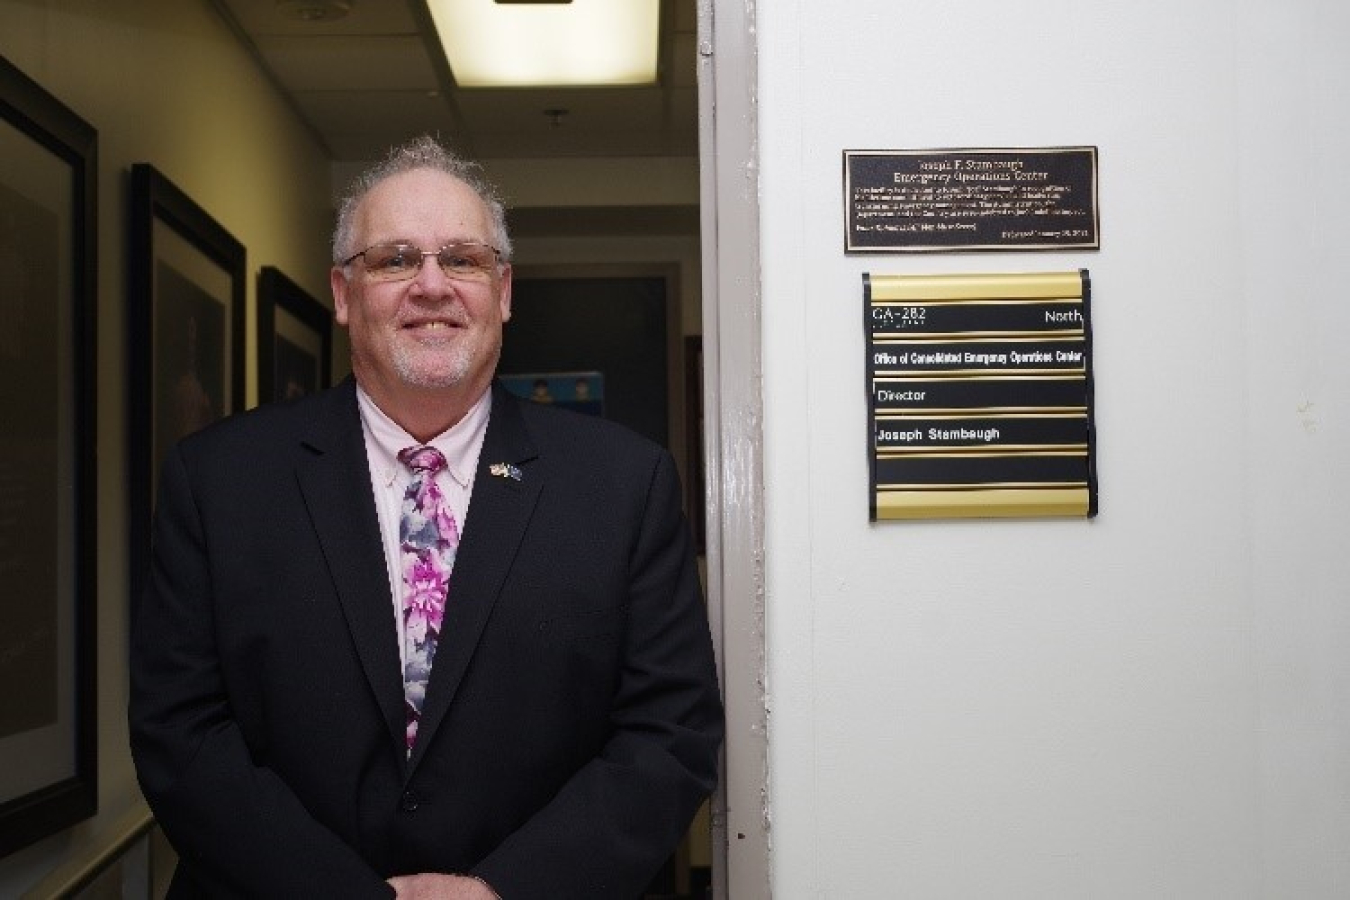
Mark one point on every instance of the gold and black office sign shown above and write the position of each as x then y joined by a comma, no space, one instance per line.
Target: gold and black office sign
979,395
947,200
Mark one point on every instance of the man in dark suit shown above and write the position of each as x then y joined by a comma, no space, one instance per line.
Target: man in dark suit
283,727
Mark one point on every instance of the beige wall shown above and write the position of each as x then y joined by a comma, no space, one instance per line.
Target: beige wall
164,82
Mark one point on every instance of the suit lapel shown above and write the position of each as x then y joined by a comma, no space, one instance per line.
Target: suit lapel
499,511
335,481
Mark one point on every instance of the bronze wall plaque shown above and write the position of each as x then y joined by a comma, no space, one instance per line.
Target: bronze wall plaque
949,200
979,395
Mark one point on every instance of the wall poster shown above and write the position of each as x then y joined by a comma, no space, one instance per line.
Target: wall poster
580,391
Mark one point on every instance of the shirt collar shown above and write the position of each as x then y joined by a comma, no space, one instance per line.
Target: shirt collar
386,438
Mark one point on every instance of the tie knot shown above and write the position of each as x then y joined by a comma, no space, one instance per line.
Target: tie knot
422,459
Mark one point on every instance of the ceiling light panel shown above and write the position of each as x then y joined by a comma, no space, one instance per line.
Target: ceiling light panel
585,42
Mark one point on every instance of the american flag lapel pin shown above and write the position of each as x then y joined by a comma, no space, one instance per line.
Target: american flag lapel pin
505,470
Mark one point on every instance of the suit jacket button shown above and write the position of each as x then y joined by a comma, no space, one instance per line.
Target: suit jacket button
409,801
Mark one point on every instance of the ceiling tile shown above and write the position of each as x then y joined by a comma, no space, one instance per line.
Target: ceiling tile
365,82
349,63
366,17
377,119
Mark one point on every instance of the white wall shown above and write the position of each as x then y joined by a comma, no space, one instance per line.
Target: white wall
1155,703
165,82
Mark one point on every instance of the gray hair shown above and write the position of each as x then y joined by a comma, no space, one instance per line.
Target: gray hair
424,152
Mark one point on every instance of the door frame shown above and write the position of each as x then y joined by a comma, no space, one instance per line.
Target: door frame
733,415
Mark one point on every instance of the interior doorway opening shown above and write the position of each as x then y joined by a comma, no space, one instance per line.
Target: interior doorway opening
608,340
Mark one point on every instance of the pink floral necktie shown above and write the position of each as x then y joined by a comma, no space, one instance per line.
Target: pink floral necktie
428,538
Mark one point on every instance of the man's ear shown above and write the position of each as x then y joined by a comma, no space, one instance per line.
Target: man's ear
504,300
337,280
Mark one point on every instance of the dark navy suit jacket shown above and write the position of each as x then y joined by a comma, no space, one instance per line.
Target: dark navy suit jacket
572,719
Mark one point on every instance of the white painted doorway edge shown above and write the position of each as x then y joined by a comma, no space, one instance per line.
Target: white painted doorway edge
733,416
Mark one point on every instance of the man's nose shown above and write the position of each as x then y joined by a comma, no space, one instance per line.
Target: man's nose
430,277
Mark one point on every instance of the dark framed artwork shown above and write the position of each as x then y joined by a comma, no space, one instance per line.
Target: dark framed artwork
295,339
48,453
186,334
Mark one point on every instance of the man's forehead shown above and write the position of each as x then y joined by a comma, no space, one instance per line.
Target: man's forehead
425,194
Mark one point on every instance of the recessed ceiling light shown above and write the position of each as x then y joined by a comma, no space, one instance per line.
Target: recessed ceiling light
518,44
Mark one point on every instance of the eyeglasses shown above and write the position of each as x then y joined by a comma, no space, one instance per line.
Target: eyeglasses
466,261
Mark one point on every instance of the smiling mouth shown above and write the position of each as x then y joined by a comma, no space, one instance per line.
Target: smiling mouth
432,326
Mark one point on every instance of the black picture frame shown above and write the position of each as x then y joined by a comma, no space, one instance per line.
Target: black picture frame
186,336
295,339
48,464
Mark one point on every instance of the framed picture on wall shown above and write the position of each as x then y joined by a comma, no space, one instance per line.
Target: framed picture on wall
48,451
295,339
580,391
186,334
